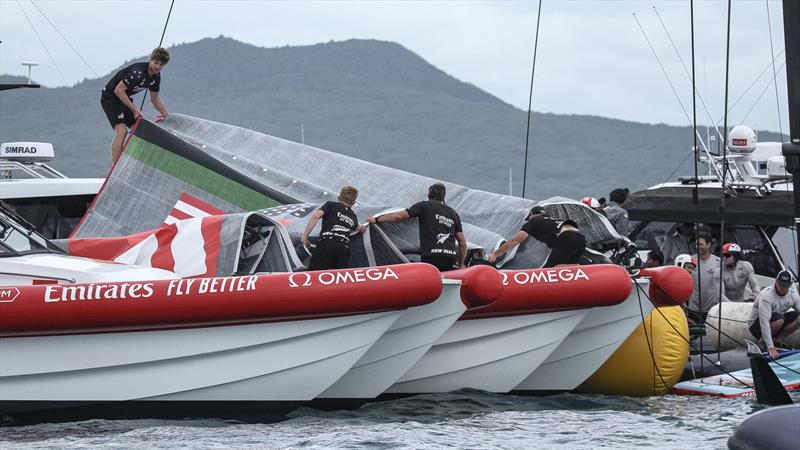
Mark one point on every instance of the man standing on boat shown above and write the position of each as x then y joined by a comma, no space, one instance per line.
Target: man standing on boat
679,243
338,222
770,317
705,277
117,101
566,242
439,229
736,273
615,212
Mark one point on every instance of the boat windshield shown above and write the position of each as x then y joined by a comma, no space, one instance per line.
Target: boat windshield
17,239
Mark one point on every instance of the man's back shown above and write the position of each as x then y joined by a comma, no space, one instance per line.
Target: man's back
438,225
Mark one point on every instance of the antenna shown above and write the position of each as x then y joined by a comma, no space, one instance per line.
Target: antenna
29,64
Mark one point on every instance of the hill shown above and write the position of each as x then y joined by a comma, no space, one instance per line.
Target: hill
369,99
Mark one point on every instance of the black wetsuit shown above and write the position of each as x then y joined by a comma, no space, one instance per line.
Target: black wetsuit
136,79
438,226
566,248
333,249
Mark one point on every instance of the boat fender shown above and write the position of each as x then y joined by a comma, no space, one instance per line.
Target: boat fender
669,285
193,302
769,429
480,285
558,288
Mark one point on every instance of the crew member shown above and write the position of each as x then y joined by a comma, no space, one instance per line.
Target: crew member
770,318
736,273
615,212
654,259
116,97
566,242
678,243
338,222
439,229
706,278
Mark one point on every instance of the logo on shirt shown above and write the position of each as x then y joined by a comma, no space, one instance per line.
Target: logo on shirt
441,237
444,220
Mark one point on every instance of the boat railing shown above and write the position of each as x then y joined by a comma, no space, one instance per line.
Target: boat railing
8,168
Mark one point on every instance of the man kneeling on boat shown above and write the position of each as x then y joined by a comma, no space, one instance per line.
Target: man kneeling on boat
770,318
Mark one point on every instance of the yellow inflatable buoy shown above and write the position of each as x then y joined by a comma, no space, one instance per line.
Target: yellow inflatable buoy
631,370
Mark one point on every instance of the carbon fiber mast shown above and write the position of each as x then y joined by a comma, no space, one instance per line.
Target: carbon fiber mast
791,149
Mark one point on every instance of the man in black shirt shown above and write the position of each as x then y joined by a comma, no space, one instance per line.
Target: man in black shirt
338,222
566,242
116,97
439,229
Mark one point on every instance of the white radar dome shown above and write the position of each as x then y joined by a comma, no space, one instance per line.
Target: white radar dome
742,139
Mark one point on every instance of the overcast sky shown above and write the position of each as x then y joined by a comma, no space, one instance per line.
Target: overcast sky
593,58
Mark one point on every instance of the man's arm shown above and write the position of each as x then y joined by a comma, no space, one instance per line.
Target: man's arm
155,99
507,245
390,217
764,314
312,222
462,248
753,282
119,91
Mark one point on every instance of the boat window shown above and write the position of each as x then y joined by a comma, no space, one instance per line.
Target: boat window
15,241
756,249
785,241
651,235
53,217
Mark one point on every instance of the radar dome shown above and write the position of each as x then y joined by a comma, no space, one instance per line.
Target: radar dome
742,139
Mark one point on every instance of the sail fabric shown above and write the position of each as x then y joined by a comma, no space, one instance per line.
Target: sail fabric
236,170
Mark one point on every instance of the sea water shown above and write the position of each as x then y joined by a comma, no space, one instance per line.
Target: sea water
465,419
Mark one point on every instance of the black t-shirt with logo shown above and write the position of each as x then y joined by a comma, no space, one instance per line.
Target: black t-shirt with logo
135,78
542,228
438,225
338,222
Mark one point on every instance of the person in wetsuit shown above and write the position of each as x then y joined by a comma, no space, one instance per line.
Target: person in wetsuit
116,98
564,239
439,229
338,222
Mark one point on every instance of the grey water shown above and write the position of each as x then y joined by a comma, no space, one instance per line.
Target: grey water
465,419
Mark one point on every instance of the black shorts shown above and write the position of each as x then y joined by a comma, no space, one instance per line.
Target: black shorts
567,249
330,254
443,263
788,318
116,112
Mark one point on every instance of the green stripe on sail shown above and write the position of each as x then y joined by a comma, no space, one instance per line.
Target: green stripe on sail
192,173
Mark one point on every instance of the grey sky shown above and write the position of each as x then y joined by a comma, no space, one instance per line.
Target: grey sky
592,57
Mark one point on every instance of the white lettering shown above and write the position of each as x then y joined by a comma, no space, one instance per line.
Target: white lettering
48,291
329,278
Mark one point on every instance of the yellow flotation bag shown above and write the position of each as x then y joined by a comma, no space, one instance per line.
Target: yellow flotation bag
631,369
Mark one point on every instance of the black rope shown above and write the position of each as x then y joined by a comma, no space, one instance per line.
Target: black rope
724,170
649,345
530,100
160,42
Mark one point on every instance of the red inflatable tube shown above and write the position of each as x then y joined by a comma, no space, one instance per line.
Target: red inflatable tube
558,288
480,285
669,285
186,303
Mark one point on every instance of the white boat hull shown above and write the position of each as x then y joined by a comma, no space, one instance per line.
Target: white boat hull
284,361
491,354
592,342
402,346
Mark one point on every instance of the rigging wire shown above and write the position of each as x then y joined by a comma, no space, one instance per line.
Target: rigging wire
530,99
753,83
41,41
160,42
63,37
724,171
774,72
758,99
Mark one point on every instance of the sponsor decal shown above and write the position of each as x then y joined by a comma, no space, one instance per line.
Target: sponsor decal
138,291
741,142
303,279
20,150
8,294
545,276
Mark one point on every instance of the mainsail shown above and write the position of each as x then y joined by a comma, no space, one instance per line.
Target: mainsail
235,170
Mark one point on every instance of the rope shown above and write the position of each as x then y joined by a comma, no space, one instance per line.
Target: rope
649,345
41,41
774,73
160,42
724,164
530,100
63,37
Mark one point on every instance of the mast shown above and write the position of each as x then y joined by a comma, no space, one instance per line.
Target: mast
791,149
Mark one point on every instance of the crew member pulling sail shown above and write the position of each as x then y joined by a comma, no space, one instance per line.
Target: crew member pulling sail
338,222
439,229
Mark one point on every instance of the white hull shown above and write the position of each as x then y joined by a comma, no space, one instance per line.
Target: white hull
592,342
492,354
408,339
285,361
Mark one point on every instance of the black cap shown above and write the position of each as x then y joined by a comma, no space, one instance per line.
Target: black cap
784,277
537,210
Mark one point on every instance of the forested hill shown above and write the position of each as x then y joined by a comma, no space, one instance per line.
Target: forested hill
369,99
